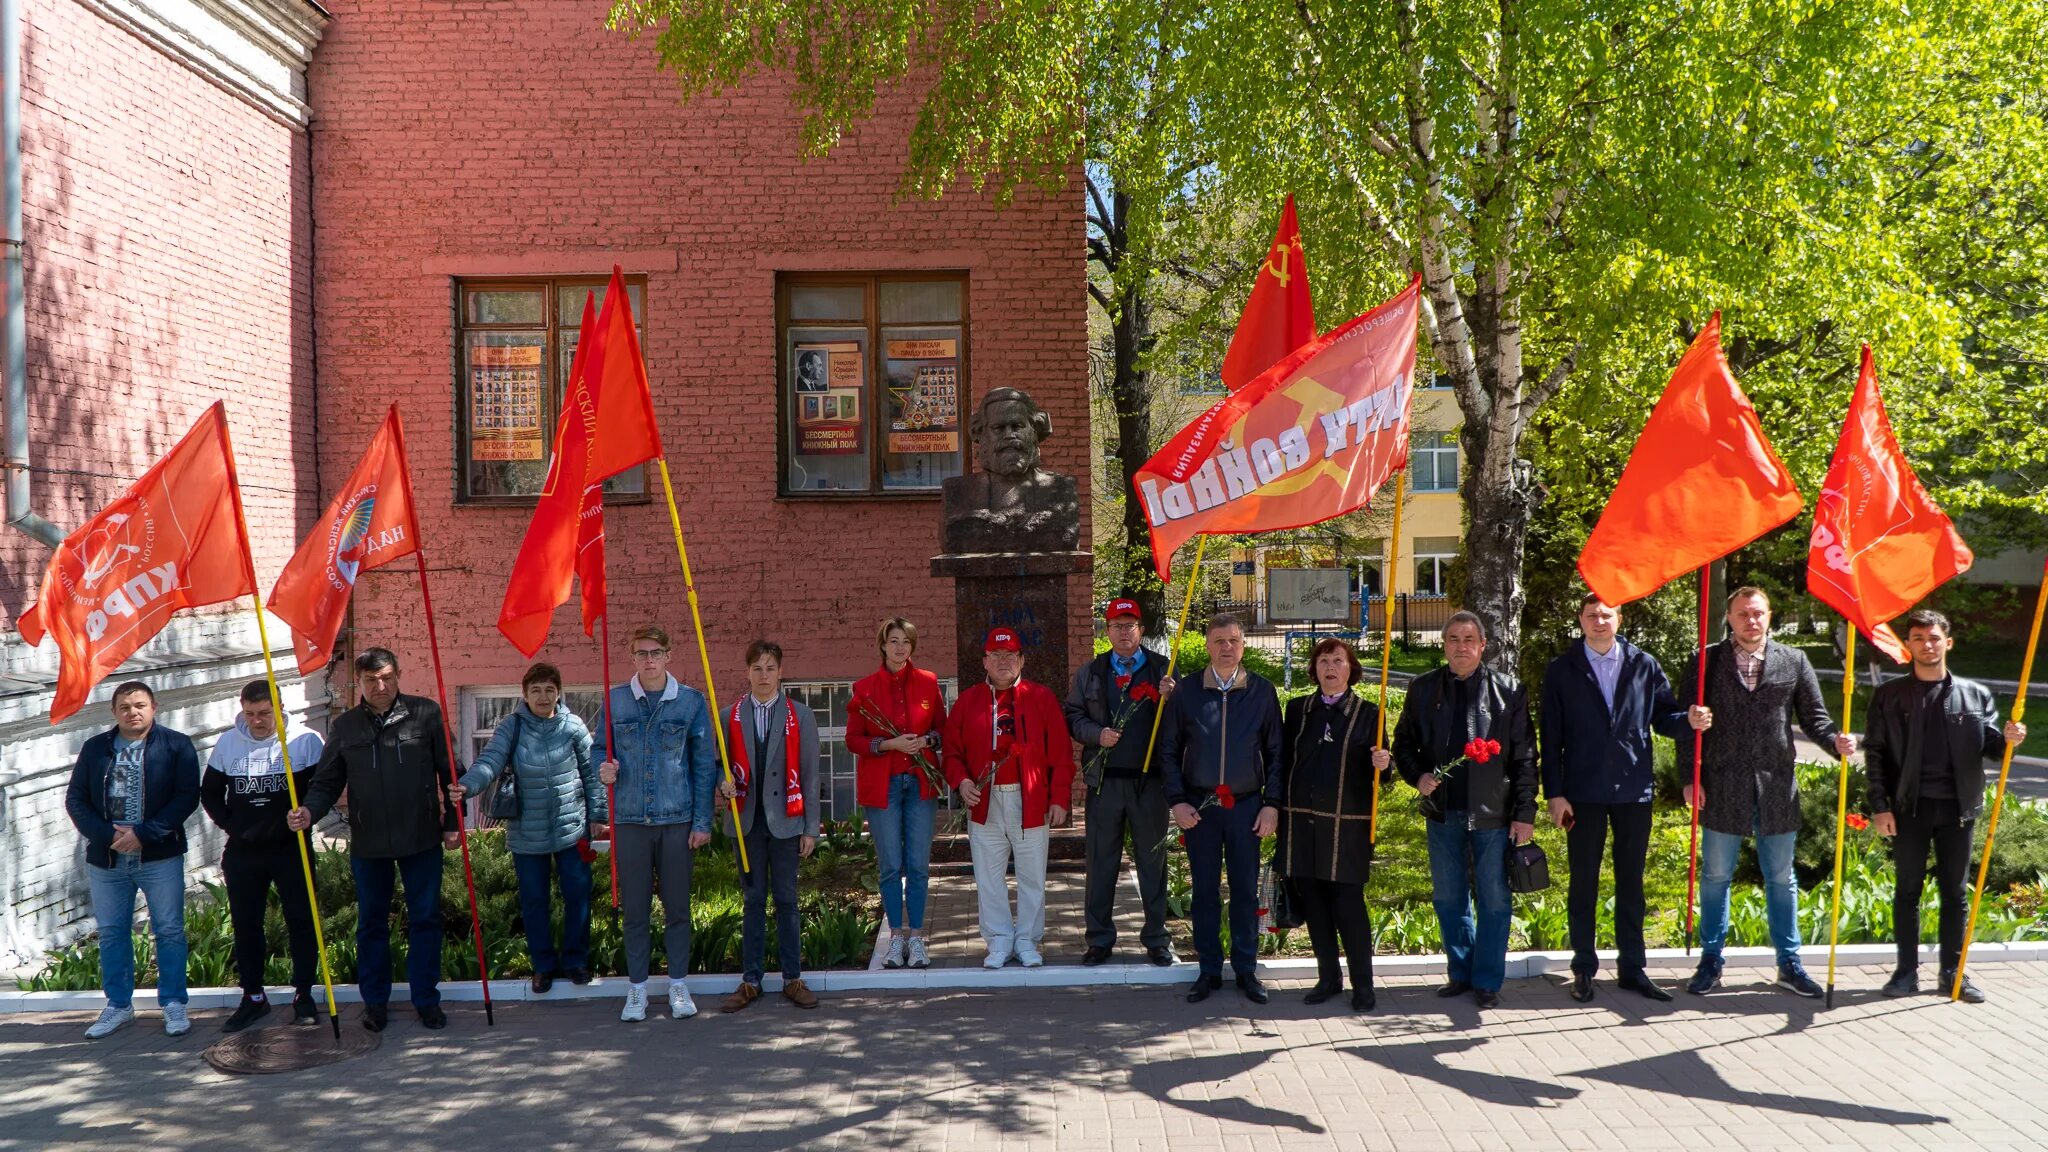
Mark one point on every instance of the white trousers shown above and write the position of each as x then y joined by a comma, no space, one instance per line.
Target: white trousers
993,845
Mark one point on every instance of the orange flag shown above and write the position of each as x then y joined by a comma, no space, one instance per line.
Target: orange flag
1278,318
1701,482
369,524
1879,544
171,541
1311,439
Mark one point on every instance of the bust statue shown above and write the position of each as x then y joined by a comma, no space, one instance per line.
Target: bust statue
1011,504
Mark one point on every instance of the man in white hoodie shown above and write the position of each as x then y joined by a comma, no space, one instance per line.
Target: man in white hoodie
244,792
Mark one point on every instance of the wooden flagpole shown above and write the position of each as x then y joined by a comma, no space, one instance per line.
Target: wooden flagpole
1841,805
1187,602
1379,739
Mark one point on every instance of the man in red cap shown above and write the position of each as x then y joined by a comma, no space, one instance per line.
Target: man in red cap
1008,756
1117,695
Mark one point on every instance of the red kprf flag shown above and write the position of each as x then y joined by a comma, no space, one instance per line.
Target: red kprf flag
369,524
1278,318
171,541
1701,482
1879,543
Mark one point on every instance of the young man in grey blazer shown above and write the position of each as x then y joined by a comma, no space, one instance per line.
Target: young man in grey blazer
773,743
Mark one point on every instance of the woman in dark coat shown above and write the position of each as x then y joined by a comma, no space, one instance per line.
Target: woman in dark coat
1325,849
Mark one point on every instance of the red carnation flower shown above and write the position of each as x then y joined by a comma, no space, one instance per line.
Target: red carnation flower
1857,822
1145,691
1224,799
1478,752
1123,681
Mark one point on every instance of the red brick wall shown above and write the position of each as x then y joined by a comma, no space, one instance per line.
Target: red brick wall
464,140
167,265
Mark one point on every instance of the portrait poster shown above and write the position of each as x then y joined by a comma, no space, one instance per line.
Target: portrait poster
505,417
924,396
827,382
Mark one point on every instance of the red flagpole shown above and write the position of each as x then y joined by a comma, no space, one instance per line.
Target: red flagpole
604,624
1699,740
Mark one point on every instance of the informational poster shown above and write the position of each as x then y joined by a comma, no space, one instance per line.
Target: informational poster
826,386
505,418
1308,594
924,396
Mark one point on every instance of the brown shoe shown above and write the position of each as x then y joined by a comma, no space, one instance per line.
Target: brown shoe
742,997
795,992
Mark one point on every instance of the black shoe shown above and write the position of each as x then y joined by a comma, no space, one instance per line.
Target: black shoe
579,976
1641,982
1362,1000
1707,978
1321,992
1971,993
1487,999
1794,979
1582,986
1453,988
1252,989
375,1016
542,981
1163,955
1096,954
1203,985
433,1018
1904,982
304,1009
247,1013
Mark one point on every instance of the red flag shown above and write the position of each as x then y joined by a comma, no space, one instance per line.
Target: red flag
369,524
1879,544
171,541
1701,482
1278,317
618,377
1311,439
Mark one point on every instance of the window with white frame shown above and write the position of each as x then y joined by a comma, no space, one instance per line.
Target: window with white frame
1433,462
1433,556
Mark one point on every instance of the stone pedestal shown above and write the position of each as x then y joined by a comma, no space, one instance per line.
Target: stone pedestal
1026,591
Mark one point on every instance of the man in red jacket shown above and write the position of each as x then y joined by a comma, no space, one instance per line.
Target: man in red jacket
1008,755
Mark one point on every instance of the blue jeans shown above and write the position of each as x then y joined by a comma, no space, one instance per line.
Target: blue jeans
902,833
421,873
1468,866
536,872
1223,839
1781,891
162,883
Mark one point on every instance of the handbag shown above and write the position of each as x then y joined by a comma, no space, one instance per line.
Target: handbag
1276,896
1528,868
501,796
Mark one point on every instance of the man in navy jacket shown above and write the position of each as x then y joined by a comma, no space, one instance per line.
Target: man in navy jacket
1601,699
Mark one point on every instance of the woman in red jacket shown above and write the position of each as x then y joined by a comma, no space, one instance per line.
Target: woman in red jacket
892,728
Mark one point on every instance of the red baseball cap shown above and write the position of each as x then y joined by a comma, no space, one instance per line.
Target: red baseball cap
1122,606
1002,640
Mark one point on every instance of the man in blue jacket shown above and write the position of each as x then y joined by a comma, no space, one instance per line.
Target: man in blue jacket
1601,700
132,789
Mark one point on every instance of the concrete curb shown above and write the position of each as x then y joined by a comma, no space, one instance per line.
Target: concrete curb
1520,966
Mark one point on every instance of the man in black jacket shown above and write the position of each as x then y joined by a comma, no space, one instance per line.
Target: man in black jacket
1475,800
1924,746
391,753
1219,751
1601,699
1107,704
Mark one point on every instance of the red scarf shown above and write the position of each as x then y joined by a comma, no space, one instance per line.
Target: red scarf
793,788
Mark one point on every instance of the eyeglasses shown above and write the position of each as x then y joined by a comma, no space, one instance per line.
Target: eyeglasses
649,653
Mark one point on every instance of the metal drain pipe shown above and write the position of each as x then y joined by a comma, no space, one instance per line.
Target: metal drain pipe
14,336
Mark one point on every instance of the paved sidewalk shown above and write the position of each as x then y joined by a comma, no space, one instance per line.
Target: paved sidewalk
1129,1069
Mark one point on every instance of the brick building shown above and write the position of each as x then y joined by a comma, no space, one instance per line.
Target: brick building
314,212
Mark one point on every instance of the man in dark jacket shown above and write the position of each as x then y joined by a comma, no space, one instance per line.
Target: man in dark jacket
132,789
1110,717
391,753
1474,803
1924,746
1755,689
1601,699
1219,752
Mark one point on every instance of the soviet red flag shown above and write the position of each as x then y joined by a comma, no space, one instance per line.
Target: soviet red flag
1278,318
1701,482
369,524
1879,543
172,540
1311,439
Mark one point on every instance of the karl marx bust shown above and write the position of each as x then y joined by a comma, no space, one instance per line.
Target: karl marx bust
1011,504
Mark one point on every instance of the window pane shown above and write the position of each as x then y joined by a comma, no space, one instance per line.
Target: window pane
509,407
919,301
505,306
828,302
569,303
827,395
921,367
1436,545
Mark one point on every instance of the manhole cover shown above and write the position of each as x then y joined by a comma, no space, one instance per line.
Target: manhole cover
288,1049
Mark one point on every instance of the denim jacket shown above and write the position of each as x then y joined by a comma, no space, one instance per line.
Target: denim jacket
668,765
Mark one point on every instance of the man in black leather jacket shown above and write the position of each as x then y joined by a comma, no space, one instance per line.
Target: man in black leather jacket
1474,807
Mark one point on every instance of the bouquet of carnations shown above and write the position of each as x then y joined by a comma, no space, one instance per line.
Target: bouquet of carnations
1221,798
932,775
1478,750
1138,695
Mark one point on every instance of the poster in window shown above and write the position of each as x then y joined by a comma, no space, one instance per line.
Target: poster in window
924,396
827,378
504,403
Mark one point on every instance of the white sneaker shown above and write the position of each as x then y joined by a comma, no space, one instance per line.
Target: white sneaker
919,958
1030,958
176,1021
897,947
680,1006
996,958
636,1004
110,1019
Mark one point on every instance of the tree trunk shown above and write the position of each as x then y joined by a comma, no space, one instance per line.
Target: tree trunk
1131,391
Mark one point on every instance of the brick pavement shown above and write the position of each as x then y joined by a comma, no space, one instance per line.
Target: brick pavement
1129,1069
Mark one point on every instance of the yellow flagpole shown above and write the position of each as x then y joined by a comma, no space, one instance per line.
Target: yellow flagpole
1841,805
675,520
1379,739
1187,602
2019,713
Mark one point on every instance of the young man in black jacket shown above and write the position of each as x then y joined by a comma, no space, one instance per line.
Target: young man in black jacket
391,753
244,792
1474,806
1924,746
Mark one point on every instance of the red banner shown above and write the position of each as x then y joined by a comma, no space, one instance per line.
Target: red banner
1278,318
